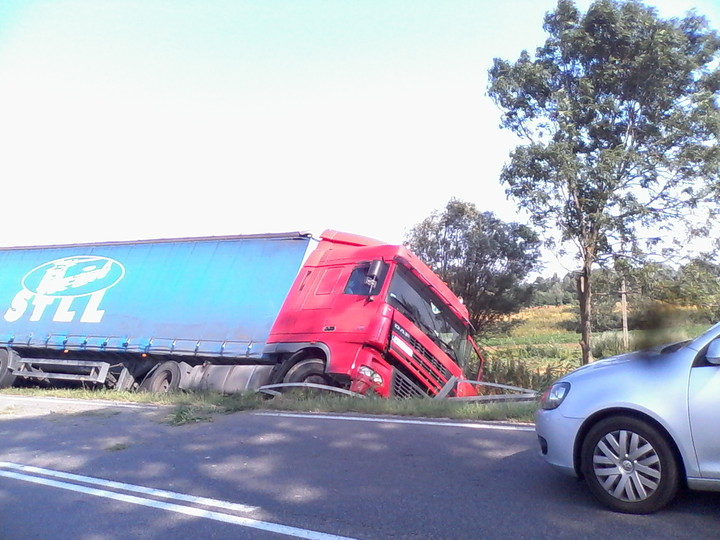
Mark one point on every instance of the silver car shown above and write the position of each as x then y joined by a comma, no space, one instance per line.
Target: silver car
638,426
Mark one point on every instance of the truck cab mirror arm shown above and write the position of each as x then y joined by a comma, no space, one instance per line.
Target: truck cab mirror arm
371,280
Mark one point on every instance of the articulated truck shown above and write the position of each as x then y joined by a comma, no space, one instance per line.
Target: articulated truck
234,313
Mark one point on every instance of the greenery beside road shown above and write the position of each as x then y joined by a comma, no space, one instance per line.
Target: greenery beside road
191,407
536,346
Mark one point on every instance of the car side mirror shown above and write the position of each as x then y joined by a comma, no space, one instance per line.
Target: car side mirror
713,352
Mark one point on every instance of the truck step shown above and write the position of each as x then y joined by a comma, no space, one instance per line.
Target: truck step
95,372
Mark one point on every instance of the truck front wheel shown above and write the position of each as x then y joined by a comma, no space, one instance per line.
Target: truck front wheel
6,377
310,370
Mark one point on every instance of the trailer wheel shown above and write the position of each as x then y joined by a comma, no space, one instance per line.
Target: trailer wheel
166,378
311,370
6,377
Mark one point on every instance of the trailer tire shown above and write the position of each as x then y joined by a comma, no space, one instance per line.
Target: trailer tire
6,377
310,370
166,378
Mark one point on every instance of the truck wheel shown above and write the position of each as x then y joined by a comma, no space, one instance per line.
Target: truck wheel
166,378
629,465
6,377
311,370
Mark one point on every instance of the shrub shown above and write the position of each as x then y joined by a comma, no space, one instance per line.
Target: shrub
515,372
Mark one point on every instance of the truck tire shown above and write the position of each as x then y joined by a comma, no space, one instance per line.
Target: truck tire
166,378
310,370
6,377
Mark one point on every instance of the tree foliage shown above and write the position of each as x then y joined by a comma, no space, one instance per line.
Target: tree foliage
482,259
619,113
553,291
697,284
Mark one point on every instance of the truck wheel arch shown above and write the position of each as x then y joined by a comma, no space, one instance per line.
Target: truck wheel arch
306,353
309,370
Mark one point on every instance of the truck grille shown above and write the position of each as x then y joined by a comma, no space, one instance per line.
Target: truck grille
417,365
428,358
404,387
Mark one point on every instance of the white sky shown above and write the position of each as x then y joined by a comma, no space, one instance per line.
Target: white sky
130,119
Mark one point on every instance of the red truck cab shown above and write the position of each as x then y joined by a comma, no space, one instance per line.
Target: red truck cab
372,317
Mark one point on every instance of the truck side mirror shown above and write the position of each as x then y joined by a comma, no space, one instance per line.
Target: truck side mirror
374,271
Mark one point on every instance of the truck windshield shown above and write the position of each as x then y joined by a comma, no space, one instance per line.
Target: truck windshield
422,306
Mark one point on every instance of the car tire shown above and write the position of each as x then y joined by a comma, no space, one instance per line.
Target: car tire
629,465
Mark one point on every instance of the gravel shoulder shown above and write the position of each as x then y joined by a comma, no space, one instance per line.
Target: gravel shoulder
12,407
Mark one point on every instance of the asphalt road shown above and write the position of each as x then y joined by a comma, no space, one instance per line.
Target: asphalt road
90,471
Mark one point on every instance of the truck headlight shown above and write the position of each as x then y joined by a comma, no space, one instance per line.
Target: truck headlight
371,374
554,396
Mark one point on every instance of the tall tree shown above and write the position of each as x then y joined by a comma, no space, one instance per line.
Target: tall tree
482,259
619,110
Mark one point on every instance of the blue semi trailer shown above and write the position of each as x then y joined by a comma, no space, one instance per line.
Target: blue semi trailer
190,313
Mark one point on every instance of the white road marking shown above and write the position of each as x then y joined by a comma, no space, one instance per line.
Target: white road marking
161,493
142,501
382,420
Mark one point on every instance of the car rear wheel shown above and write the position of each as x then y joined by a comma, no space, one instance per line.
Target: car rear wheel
629,465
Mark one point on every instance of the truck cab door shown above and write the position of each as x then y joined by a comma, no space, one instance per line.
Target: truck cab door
321,286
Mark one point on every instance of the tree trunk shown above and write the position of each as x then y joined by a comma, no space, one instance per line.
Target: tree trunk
584,296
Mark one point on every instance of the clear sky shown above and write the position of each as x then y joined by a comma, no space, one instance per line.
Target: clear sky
130,119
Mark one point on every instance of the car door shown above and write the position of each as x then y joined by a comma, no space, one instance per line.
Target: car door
703,408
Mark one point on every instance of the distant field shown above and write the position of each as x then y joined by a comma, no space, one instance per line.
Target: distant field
549,325
540,345
539,325
537,336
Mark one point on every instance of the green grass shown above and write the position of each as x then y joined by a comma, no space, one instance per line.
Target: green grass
193,407
205,409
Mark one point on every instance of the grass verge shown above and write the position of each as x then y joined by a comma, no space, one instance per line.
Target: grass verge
192,407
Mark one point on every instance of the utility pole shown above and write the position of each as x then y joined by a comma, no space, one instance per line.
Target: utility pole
623,309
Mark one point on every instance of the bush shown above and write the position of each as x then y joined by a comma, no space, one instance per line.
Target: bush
608,344
515,372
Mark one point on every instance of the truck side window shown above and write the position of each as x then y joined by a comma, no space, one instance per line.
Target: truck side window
357,284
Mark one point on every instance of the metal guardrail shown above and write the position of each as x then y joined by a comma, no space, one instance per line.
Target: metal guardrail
523,394
270,388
